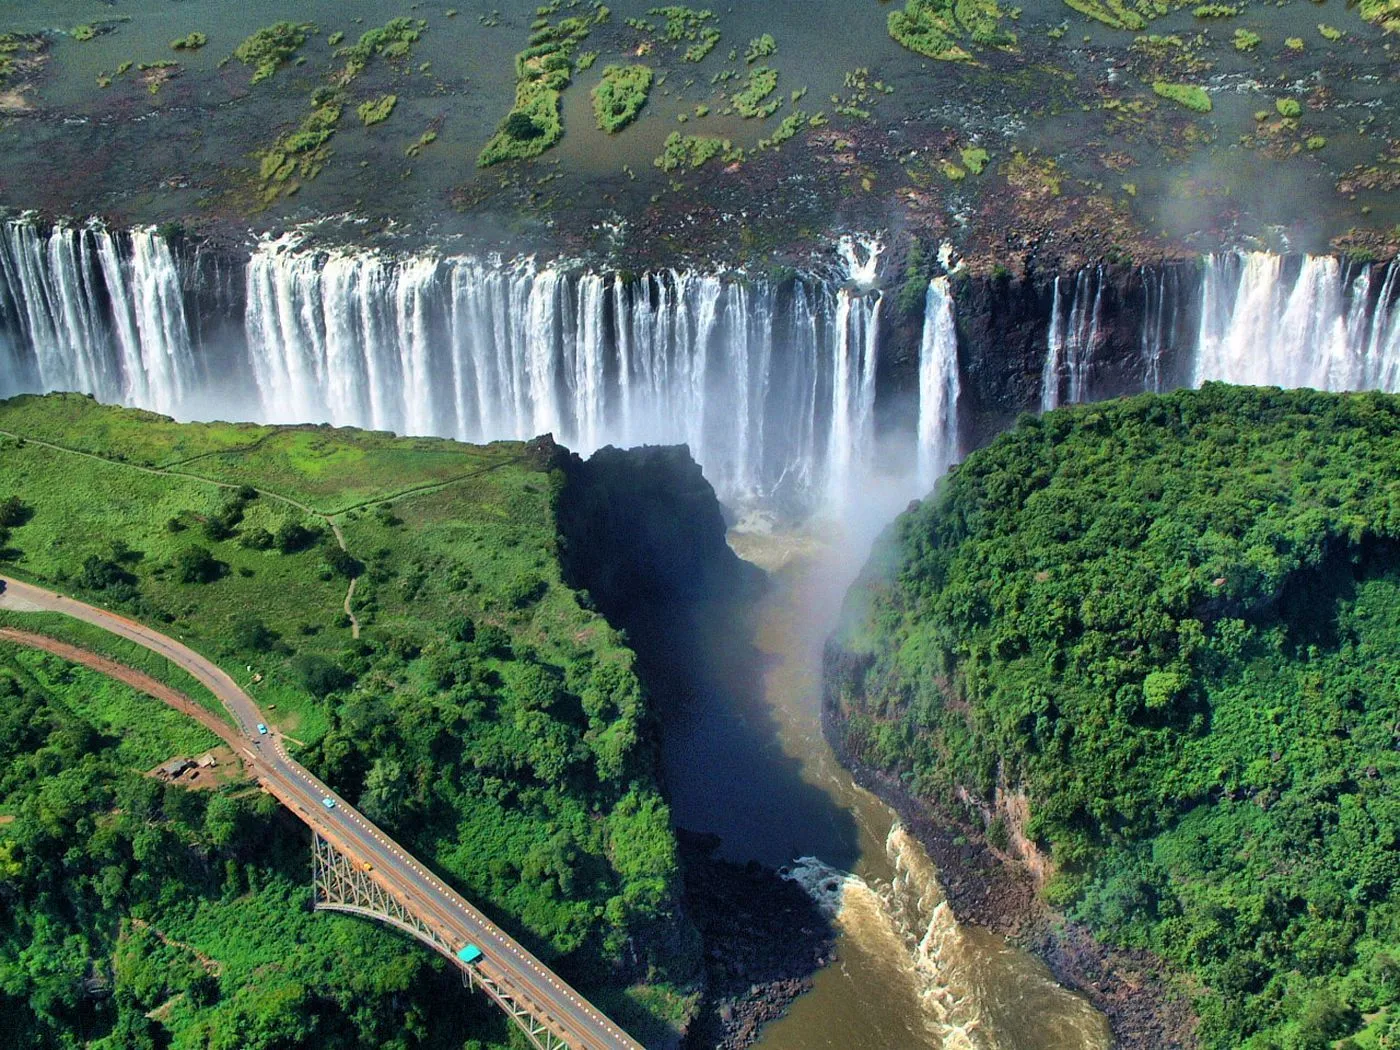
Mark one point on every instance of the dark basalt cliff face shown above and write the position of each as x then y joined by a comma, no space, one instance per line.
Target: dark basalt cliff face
1147,318
642,531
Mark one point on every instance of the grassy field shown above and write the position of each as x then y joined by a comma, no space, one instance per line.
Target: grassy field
103,490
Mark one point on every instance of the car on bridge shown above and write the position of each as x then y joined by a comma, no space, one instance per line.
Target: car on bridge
328,802
469,953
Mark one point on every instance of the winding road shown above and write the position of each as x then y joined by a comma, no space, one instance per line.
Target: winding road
455,921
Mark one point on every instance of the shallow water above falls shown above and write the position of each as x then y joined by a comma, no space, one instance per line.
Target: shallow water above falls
744,758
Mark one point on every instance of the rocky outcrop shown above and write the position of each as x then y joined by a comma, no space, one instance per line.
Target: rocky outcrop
989,885
764,938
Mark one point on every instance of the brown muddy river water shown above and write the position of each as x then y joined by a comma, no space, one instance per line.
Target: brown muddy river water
746,760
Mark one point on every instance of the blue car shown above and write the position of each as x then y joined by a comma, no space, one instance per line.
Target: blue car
328,802
262,729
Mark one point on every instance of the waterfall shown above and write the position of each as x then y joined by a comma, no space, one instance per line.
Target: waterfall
771,384
777,385
89,310
1318,328
1054,349
938,385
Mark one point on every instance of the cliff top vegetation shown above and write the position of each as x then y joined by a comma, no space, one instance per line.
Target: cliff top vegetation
476,706
1174,622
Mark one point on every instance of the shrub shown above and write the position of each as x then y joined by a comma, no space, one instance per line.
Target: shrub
292,537
1288,107
524,589
14,512
319,676
198,565
192,42
341,561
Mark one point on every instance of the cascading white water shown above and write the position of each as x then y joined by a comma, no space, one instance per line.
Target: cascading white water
1320,328
95,313
1054,350
771,385
938,385
902,919
907,922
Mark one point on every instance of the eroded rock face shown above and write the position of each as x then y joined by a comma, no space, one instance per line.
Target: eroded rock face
642,527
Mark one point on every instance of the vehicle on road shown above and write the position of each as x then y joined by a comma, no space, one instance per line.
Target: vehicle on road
328,802
262,729
469,953
366,866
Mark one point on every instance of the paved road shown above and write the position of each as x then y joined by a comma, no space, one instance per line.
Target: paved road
504,960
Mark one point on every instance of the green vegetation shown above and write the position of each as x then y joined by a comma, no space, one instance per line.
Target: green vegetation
974,159
272,47
686,26
483,715
1288,107
1384,13
1315,142
424,140
1215,11
300,154
935,28
542,71
1294,43
1329,32
83,32
620,96
189,907
692,151
376,111
393,40
1189,95
1245,40
192,42
754,101
1113,13
760,47
1173,622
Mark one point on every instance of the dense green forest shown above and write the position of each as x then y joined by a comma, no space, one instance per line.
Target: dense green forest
485,715
1174,621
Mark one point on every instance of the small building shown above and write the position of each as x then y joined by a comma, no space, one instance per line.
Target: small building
175,767
208,761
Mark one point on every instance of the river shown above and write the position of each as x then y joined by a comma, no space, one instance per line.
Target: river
746,727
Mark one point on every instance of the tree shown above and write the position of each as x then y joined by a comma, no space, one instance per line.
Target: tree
197,565
520,127
292,537
14,512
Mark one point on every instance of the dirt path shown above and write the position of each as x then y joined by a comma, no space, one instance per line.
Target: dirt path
211,965
136,679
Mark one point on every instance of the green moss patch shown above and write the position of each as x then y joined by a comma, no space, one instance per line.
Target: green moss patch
190,42
376,111
1189,95
754,100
